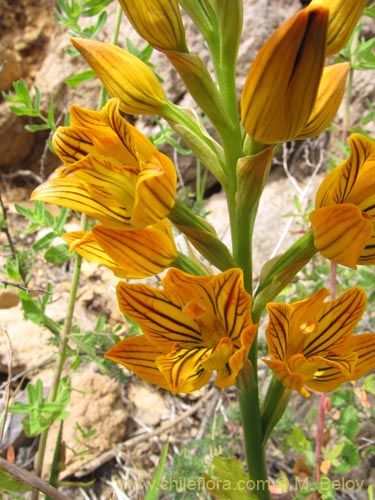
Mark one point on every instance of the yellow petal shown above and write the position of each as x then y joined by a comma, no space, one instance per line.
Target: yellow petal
342,184
85,244
330,93
283,81
223,297
157,21
159,315
227,374
183,370
343,17
124,76
155,191
138,252
293,381
368,254
111,184
72,193
341,233
139,355
364,347
105,133
336,322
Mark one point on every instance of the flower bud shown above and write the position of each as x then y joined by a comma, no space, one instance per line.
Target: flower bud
343,17
157,21
124,76
283,81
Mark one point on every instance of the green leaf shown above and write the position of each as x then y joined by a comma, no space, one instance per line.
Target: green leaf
154,489
44,242
369,384
75,80
10,483
37,128
12,269
58,254
229,482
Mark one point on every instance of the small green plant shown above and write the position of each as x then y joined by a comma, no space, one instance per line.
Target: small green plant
41,413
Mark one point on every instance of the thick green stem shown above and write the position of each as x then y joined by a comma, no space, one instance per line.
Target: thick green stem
252,428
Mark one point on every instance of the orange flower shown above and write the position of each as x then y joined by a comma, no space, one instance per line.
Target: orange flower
195,326
113,172
311,342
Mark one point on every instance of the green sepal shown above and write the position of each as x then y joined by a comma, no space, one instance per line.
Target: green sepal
203,236
274,406
252,175
204,18
278,272
202,88
202,151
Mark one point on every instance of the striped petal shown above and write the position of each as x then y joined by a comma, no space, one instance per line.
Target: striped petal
138,252
343,184
159,316
335,323
368,254
72,193
124,75
85,244
341,232
283,81
139,355
311,342
330,93
364,347
155,190
183,370
223,298
343,17
92,132
103,180
157,21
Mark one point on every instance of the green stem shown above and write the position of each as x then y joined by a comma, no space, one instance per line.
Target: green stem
252,428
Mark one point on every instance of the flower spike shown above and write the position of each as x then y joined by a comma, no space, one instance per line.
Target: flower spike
195,326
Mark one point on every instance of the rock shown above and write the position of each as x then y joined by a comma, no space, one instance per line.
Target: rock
149,406
96,422
29,342
8,298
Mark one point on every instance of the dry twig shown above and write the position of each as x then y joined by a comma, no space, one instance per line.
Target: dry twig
30,479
